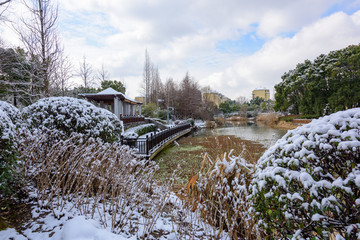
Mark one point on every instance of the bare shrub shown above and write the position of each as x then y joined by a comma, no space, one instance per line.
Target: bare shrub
220,121
220,193
102,180
237,119
269,119
210,124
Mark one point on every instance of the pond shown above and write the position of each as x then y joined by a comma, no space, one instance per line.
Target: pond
248,140
247,131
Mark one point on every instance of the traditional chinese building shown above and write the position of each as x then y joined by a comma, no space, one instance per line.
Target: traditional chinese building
114,101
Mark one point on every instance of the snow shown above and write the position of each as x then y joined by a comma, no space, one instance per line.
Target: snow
108,91
11,233
12,112
80,228
317,217
111,91
199,124
131,132
303,164
72,115
7,128
74,226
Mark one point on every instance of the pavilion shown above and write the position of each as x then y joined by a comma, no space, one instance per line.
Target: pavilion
114,101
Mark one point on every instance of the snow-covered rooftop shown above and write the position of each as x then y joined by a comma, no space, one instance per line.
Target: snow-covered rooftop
261,88
109,91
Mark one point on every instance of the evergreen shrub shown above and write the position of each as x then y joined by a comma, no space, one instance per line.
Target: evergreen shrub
11,111
68,115
308,184
8,153
146,129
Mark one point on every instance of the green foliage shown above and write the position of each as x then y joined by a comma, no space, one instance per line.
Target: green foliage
12,112
256,101
162,114
145,130
307,185
332,80
8,154
149,110
304,116
82,89
116,85
229,107
18,77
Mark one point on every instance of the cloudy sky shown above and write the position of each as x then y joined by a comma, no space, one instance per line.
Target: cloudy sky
234,46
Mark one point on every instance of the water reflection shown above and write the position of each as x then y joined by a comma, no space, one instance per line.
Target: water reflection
248,131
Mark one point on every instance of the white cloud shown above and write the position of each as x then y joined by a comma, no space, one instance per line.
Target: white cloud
182,35
265,67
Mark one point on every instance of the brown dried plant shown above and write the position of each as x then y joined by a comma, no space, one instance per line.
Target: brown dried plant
100,179
219,192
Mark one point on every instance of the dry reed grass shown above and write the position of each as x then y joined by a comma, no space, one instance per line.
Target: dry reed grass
269,119
210,124
237,119
100,179
219,192
220,121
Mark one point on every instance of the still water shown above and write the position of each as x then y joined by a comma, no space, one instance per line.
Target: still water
188,152
248,131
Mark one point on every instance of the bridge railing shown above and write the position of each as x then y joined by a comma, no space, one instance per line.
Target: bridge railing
146,145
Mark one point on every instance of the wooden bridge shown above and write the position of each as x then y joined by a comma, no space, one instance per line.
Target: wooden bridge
150,146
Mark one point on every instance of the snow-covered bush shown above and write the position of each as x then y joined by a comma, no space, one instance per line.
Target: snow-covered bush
135,132
308,184
8,149
70,115
11,111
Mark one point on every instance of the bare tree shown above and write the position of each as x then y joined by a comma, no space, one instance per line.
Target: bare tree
63,74
40,38
147,77
4,2
3,7
155,86
103,74
170,92
241,100
86,73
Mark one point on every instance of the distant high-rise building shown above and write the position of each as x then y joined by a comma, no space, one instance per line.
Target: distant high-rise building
261,93
140,99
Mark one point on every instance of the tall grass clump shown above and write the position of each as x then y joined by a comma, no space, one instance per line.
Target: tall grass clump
269,119
219,192
307,186
101,180
68,115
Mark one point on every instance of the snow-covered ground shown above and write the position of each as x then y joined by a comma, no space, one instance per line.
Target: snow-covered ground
173,222
131,132
200,124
